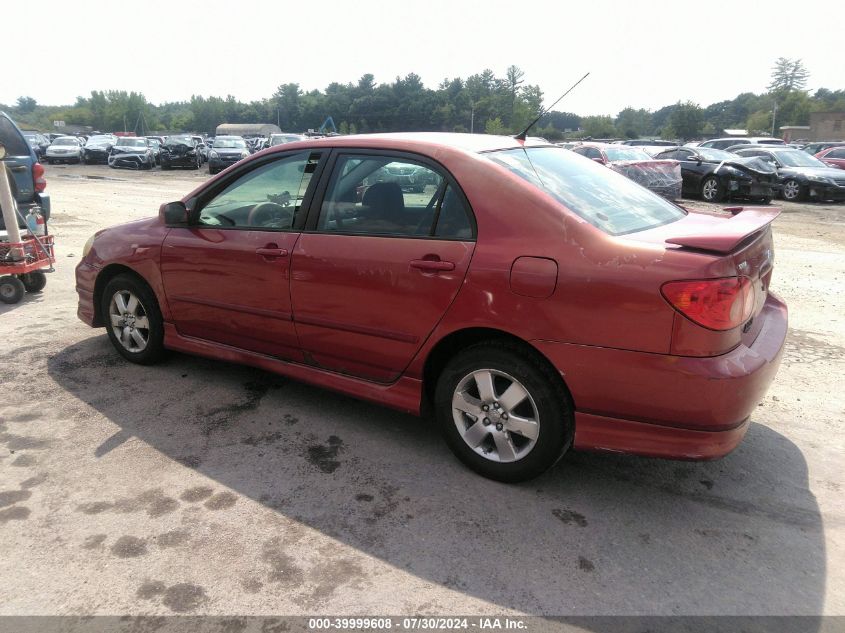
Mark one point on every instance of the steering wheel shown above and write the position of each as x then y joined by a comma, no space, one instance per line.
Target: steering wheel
270,214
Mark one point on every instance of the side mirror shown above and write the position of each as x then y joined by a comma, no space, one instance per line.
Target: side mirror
174,213
600,161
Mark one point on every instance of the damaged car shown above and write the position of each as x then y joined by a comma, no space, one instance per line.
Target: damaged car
180,151
661,176
132,153
715,174
801,176
97,148
225,152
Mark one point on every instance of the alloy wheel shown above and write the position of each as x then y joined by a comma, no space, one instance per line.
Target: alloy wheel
791,190
710,189
495,415
129,321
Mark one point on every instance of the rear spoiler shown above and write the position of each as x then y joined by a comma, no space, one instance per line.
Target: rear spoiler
725,234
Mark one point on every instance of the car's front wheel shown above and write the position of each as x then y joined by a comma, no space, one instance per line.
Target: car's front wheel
133,320
712,190
503,412
793,191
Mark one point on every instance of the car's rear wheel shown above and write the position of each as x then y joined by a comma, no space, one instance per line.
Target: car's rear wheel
503,412
133,320
34,281
712,190
793,191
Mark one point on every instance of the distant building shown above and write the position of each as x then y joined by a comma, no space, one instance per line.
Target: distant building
790,133
247,129
827,126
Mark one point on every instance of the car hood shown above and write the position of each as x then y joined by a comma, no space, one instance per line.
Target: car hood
100,145
121,149
179,149
229,150
753,164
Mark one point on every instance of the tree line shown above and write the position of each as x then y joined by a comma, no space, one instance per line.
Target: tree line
482,102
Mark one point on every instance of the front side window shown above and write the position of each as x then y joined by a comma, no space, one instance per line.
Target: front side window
268,198
837,153
607,200
382,195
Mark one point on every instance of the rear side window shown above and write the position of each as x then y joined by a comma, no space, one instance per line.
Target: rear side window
837,153
12,139
604,198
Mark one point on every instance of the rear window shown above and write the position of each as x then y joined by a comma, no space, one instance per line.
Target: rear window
604,198
12,139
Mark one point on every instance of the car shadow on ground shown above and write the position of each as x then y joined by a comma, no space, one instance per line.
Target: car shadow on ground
598,534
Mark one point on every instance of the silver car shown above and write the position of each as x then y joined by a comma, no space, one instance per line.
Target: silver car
65,149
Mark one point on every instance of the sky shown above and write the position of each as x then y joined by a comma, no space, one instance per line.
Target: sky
641,54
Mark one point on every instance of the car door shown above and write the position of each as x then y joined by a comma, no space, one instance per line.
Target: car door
226,275
380,262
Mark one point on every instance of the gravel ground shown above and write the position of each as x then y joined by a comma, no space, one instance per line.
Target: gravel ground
205,488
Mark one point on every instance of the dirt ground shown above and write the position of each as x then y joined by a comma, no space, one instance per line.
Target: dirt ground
200,487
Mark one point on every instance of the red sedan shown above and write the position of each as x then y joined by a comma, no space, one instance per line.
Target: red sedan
533,299
833,156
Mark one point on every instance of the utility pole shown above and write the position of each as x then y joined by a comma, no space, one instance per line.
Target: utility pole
472,118
774,116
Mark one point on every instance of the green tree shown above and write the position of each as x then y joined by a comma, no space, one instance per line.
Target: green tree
598,126
787,75
633,123
686,120
495,126
26,105
759,122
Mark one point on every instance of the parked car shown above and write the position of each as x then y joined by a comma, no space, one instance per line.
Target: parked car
715,175
202,148
536,302
725,143
132,152
226,151
802,177
155,143
661,176
27,176
180,150
409,177
65,149
281,139
833,157
815,148
97,148
38,142
647,141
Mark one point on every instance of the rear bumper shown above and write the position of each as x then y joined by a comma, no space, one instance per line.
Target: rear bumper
826,192
669,406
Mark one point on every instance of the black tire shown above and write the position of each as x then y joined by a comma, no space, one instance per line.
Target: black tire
793,191
154,350
547,399
34,281
50,161
765,200
212,171
11,289
712,189
165,167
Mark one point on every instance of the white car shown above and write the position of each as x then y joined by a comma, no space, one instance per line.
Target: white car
65,149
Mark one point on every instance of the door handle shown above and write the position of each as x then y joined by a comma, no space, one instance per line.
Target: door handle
18,168
432,265
271,252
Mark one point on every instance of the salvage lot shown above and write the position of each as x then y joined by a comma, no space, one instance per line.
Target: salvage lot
201,487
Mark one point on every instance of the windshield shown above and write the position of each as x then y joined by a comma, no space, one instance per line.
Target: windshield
710,153
65,141
132,142
626,153
232,143
99,140
154,141
180,140
604,198
797,158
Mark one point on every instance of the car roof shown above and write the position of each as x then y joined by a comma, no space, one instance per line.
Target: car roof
424,141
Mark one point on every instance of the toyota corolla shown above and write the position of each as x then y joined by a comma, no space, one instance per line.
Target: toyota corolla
533,300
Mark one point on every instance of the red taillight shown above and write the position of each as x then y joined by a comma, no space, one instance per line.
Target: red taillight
38,177
718,304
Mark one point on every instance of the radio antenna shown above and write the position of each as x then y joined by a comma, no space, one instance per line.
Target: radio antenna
521,135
